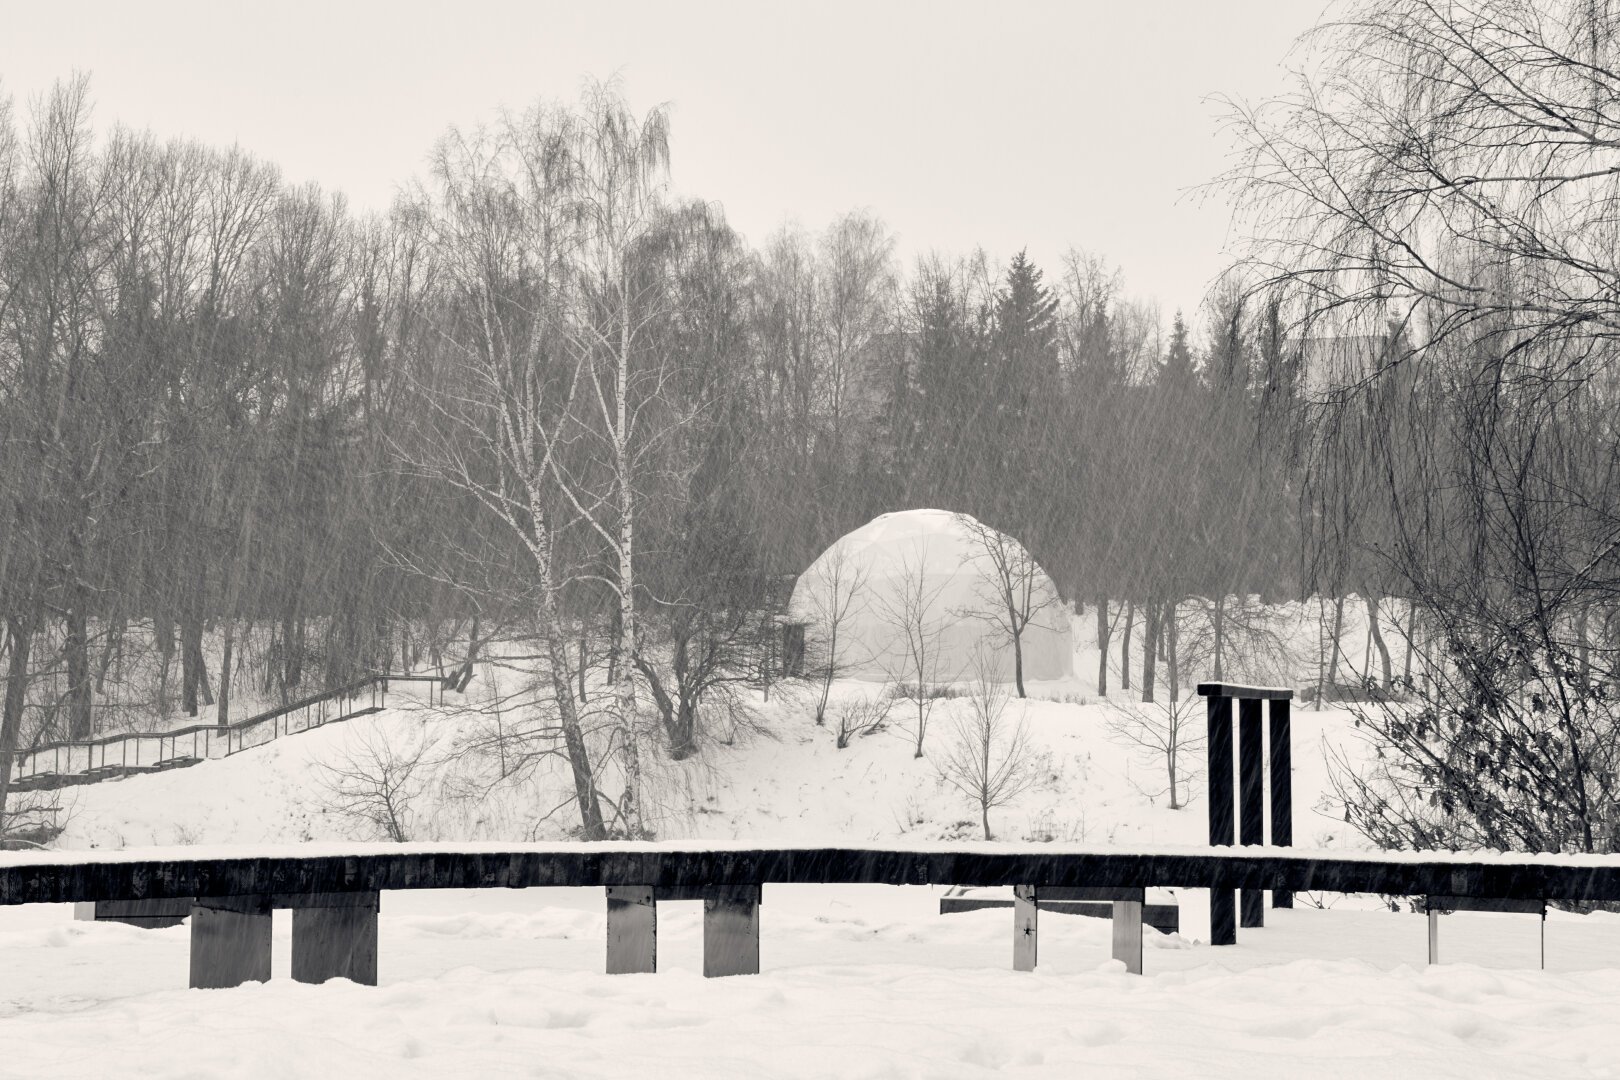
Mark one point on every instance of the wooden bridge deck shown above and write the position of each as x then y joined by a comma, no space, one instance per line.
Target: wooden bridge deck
335,893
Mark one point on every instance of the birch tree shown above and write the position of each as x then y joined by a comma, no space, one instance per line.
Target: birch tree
503,243
617,167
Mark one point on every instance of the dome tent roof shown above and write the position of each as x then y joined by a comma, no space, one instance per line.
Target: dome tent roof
946,557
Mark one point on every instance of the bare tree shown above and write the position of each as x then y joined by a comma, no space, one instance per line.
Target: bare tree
377,783
1168,734
497,417
858,289
831,593
854,717
988,757
618,165
1439,188
1012,587
909,607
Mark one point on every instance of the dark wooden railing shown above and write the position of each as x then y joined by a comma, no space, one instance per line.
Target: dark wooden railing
335,894
89,760
1252,770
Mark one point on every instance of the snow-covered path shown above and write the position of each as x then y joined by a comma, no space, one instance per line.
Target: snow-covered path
859,981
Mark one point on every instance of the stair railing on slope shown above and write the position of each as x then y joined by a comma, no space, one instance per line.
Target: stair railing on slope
89,760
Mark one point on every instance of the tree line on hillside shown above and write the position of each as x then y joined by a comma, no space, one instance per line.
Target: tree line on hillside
542,397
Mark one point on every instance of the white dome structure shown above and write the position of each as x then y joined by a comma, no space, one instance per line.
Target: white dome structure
936,574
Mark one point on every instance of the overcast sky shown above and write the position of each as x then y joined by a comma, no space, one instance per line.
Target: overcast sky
1046,125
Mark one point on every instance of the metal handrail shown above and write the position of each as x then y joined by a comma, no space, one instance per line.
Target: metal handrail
234,733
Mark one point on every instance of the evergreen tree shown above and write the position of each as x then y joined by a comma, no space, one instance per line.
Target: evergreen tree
1177,371
1025,393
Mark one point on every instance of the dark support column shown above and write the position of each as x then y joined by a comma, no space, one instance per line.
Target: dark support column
1282,788
731,932
1252,793
1222,916
230,941
1026,927
334,936
632,929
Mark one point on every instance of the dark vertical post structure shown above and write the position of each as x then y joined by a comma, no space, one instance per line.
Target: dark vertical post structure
334,936
1282,787
731,932
1222,917
1251,802
230,941
1253,763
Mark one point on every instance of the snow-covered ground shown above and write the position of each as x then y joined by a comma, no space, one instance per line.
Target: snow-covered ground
858,981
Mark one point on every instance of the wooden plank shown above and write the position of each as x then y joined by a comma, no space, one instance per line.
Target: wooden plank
337,942
1484,903
1218,749
366,898
632,930
1165,918
1282,786
1128,934
148,914
230,942
1235,690
1251,801
731,933
29,878
1026,927
1101,893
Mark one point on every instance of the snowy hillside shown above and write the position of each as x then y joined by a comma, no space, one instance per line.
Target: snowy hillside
1092,779
789,784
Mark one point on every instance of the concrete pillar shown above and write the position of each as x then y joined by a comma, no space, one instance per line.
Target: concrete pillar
230,941
1128,934
731,932
334,936
1026,927
632,929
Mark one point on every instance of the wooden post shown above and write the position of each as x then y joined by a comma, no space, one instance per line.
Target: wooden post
1434,936
1251,791
1026,927
230,941
151,914
632,930
1282,788
1128,934
731,932
1222,916
334,936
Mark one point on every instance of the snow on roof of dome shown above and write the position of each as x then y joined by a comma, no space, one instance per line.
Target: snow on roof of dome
940,541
